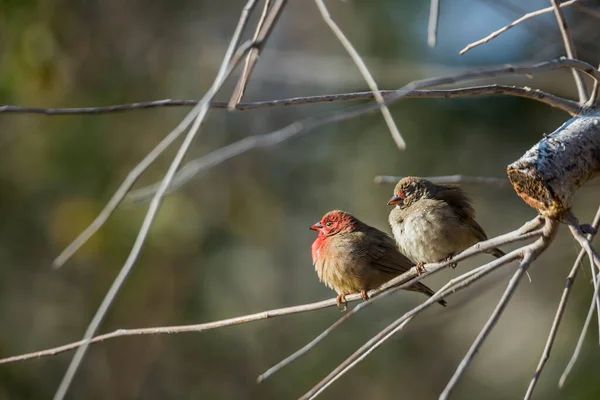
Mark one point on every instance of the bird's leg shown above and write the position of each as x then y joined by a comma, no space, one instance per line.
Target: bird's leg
587,228
364,295
448,258
420,268
342,303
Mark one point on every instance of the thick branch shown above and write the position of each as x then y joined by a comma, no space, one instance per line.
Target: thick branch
548,175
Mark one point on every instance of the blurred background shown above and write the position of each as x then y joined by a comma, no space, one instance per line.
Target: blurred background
234,240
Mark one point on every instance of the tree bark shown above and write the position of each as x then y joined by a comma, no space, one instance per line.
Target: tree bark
548,175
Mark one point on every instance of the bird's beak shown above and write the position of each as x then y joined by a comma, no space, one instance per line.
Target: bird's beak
395,200
316,227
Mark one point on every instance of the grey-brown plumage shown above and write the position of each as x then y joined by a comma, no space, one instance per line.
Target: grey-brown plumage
353,257
433,222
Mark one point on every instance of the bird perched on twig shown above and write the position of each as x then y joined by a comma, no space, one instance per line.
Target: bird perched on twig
353,257
431,223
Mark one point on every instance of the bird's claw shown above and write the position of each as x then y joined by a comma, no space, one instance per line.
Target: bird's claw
364,295
587,228
342,303
420,268
451,265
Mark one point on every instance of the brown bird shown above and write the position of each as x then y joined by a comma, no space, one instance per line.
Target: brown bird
431,223
353,257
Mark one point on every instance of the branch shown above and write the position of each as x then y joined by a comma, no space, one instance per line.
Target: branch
513,24
362,67
306,125
570,49
529,255
453,179
525,232
434,18
569,106
263,31
562,305
230,60
453,286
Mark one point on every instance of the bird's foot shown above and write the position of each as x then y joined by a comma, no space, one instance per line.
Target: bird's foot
448,258
364,295
587,228
420,268
342,303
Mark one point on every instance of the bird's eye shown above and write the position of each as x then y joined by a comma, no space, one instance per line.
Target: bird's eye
329,224
402,194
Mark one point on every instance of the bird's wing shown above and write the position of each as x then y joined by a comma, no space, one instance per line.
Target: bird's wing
381,252
461,204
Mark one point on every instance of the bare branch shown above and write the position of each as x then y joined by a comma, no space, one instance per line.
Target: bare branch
593,100
264,29
569,106
434,19
526,231
362,67
230,60
306,125
529,255
562,305
570,49
452,286
513,24
463,179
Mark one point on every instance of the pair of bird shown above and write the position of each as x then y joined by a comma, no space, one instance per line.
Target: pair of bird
430,223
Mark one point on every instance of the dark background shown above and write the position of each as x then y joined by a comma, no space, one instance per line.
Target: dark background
235,240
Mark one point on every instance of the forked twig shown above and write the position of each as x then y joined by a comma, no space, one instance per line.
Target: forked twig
515,23
570,50
362,67
530,253
562,305
525,232
264,29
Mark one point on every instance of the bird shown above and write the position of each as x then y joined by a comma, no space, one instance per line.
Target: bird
432,223
350,256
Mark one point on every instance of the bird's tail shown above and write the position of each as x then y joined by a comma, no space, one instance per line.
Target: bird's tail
422,288
496,252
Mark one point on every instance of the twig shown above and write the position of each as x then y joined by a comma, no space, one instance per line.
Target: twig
513,24
452,287
230,60
529,255
240,90
584,330
523,233
562,305
264,29
194,167
594,95
432,26
594,12
569,106
468,180
362,67
570,50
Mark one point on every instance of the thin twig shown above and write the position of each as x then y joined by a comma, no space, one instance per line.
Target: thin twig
362,67
569,106
464,179
562,305
230,60
513,24
432,26
261,37
452,286
239,92
306,125
593,100
523,233
527,231
570,50
529,255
